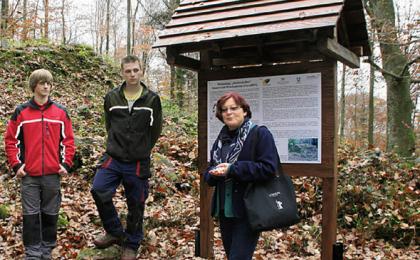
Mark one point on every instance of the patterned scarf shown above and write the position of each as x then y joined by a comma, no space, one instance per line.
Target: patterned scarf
237,145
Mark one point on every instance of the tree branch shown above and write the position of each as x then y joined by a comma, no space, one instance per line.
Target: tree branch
408,64
369,60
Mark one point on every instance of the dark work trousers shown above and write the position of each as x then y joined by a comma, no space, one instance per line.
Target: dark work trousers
41,199
107,179
238,239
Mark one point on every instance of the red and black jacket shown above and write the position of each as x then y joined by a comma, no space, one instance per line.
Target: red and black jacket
41,137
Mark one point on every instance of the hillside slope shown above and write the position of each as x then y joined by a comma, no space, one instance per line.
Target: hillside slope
378,206
81,79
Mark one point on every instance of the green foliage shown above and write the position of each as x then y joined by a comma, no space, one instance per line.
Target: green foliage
29,42
63,220
4,211
179,120
113,252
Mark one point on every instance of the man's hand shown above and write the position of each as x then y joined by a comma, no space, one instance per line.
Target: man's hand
62,170
21,172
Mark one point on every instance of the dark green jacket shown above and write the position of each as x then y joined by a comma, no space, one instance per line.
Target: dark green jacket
131,136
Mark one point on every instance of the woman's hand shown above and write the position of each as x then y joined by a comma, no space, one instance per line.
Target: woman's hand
220,170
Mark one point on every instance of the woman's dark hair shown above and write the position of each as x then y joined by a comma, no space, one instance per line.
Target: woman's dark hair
239,100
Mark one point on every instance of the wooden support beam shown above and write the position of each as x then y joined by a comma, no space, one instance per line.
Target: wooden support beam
333,49
358,50
206,221
329,217
174,58
268,58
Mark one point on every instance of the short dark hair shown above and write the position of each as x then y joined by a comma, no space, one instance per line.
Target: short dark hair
40,75
239,100
130,59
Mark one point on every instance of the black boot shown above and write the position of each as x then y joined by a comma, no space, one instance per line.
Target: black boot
32,236
49,229
31,230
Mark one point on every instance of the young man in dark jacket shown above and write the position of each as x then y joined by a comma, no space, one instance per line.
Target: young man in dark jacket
40,147
133,118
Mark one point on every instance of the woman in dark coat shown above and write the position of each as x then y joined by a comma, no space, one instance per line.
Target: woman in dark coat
232,166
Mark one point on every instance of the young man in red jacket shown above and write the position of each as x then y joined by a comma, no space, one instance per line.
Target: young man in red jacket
39,144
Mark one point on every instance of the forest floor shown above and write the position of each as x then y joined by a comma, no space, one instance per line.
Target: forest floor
378,195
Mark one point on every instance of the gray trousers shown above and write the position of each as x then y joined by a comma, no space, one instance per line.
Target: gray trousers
41,199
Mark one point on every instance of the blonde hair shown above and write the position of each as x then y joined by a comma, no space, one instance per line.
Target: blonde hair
41,75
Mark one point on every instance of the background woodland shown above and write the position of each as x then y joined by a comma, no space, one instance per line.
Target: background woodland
379,208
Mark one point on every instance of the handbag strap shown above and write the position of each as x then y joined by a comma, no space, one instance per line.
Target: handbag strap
254,140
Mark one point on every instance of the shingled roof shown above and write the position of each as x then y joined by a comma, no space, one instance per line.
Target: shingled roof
197,22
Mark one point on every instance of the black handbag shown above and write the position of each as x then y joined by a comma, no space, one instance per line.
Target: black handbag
271,204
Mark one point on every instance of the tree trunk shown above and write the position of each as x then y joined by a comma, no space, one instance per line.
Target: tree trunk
4,18
25,20
108,17
179,85
46,19
34,21
371,107
128,27
356,125
63,21
114,30
172,83
400,107
133,34
343,103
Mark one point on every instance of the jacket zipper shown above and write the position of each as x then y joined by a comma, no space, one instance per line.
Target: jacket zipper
42,142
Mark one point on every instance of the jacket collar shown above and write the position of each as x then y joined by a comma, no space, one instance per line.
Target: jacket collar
121,89
34,105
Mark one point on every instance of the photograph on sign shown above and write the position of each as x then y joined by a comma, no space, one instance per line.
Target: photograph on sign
289,105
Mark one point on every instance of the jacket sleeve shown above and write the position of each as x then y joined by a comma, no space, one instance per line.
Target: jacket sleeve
68,144
13,142
211,179
107,114
265,162
157,120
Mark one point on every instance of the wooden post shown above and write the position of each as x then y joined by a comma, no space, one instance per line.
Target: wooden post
329,183
329,216
206,221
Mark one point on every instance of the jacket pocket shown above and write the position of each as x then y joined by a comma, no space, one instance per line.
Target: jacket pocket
143,169
104,162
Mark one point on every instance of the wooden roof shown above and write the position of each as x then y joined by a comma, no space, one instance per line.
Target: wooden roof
195,23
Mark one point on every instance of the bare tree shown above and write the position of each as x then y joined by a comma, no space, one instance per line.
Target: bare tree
128,27
400,131
343,103
371,107
4,18
25,20
63,22
108,17
46,18
133,41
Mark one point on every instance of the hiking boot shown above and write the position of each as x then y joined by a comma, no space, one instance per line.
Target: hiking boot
128,254
104,241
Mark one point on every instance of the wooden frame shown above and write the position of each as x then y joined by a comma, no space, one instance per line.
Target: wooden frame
326,170
274,38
